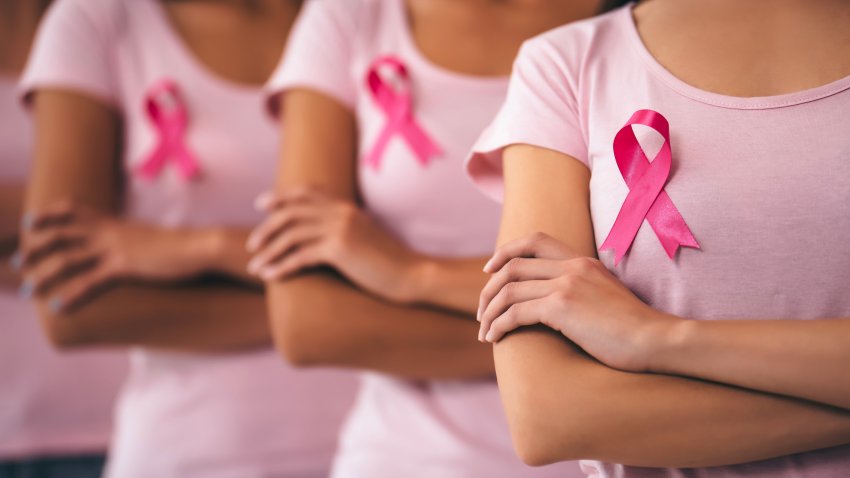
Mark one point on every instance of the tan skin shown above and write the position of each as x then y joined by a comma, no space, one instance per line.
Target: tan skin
18,23
406,313
100,279
648,388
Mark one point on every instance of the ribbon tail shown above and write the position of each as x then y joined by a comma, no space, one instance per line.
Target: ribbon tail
149,168
422,145
376,153
670,226
187,166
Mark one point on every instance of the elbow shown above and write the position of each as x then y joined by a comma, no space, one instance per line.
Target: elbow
299,331
546,431
535,445
64,333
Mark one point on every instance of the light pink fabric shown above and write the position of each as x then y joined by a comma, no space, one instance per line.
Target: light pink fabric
404,428
761,182
50,403
239,415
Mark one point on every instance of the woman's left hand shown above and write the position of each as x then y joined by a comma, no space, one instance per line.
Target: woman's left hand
308,228
540,280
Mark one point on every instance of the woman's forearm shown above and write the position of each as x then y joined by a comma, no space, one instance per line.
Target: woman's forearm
317,319
807,359
193,318
452,284
563,405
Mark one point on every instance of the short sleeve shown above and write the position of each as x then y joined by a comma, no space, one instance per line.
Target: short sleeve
74,50
319,53
541,109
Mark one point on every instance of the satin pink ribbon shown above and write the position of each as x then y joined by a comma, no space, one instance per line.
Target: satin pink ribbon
168,113
397,104
647,198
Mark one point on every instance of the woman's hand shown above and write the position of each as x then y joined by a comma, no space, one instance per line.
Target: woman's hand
308,228
69,252
540,280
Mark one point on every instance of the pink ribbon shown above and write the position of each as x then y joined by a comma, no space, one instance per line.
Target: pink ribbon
646,198
169,116
397,104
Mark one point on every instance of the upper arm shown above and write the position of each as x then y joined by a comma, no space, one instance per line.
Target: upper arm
76,151
545,191
320,144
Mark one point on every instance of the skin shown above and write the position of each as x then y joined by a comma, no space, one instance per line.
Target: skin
634,385
84,263
320,247
18,23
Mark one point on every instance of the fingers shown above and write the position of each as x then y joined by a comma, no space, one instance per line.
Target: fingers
537,245
40,243
518,315
306,256
517,270
56,269
511,294
59,212
277,222
286,242
77,289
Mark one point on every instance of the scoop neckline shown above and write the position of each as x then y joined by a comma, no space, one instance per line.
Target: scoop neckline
408,43
718,99
188,57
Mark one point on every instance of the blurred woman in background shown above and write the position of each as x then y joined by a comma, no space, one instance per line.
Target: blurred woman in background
55,409
382,100
151,145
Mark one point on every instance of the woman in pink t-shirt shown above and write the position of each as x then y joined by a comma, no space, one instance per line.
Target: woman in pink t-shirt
49,426
700,150
151,145
375,239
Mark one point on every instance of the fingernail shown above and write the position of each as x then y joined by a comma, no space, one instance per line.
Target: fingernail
26,290
16,261
489,337
267,274
253,266
55,305
488,265
27,221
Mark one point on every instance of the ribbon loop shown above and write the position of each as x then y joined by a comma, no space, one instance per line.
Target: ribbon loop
396,101
169,115
647,198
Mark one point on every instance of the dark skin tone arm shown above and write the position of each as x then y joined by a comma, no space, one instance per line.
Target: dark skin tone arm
76,160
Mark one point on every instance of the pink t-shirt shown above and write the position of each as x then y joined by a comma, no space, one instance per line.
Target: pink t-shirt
182,415
404,428
45,408
761,182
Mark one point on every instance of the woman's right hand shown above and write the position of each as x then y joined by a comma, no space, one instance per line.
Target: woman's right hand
69,252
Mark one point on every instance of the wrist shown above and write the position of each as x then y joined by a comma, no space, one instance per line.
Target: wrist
199,248
668,343
416,279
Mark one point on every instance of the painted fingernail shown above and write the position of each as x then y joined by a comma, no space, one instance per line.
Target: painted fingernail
55,304
489,337
27,221
16,261
488,265
26,289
